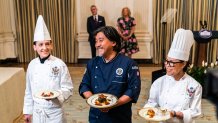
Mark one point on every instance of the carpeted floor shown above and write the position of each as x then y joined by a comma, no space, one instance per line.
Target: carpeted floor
76,108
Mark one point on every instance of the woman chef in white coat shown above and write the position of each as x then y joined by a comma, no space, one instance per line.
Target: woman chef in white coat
177,91
45,72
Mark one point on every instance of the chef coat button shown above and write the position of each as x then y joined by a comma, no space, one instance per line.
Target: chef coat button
95,76
96,86
97,117
96,67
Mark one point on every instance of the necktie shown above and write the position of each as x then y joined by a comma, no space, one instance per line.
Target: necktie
95,18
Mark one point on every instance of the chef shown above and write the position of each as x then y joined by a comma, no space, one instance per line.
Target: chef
177,91
113,73
45,73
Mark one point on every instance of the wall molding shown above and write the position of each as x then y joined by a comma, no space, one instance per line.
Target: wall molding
7,30
7,46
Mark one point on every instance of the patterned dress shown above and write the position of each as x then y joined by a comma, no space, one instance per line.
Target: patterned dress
129,46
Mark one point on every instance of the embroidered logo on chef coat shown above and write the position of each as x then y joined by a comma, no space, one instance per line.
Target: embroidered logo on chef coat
55,71
191,92
119,71
135,67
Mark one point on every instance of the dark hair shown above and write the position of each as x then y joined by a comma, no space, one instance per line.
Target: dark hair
186,66
112,34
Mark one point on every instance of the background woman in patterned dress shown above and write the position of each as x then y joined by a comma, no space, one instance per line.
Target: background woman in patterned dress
126,27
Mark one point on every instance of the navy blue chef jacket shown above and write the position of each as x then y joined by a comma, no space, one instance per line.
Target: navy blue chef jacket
120,76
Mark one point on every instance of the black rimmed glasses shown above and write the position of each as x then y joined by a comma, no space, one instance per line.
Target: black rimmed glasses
172,63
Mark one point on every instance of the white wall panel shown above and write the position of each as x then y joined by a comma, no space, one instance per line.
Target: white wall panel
7,30
110,9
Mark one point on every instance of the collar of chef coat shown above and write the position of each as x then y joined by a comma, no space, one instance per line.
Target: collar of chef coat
182,78
47,61
110,60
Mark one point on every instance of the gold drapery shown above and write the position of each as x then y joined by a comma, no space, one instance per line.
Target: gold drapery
189,13
59,16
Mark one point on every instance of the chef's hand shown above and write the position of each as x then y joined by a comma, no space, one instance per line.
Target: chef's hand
178,114
172,113
87,94
104,109
27,118
50,99
107,109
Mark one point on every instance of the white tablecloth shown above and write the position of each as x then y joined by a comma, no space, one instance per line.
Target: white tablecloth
12,87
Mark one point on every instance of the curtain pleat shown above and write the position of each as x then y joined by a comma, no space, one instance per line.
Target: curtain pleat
58,17
189,13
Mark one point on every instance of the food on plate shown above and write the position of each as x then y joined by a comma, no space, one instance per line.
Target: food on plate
154,114
150,113
102,100
163,111
47,94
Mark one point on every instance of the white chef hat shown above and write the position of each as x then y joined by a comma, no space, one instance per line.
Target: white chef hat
181,45
41,31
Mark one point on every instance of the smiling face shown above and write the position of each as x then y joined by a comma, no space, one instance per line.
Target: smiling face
174,67
43,48
103,45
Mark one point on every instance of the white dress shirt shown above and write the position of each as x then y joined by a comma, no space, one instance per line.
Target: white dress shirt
95,17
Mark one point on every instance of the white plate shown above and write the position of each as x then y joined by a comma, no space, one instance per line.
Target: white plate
39,94
111,99
157,117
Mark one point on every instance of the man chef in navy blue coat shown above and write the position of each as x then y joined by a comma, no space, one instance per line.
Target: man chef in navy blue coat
94,22
113,73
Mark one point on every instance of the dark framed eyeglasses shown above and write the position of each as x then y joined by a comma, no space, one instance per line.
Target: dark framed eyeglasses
172,63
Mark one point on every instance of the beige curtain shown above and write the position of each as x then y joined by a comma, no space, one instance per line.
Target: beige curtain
59,16
189,13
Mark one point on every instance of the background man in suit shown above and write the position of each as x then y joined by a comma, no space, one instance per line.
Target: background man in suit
94,22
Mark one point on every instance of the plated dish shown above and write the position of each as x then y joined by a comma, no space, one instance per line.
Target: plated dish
102,100
155,114
47,94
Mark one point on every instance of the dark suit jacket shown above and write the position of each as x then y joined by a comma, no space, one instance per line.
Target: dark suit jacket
92,25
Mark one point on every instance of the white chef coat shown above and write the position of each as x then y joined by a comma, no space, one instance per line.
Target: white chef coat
52,75
183,95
